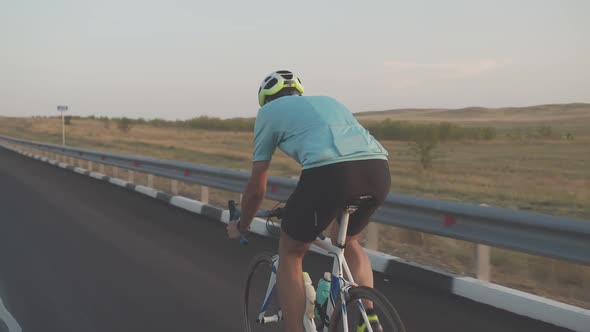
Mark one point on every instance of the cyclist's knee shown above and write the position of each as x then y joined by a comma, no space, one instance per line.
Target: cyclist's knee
353,240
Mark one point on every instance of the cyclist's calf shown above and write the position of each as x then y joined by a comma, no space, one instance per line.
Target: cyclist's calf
356,257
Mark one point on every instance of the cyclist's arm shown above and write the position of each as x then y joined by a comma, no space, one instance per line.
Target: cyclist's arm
254,193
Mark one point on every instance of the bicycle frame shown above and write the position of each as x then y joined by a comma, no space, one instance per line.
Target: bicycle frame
341,281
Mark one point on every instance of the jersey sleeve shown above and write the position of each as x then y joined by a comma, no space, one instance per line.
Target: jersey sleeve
266,137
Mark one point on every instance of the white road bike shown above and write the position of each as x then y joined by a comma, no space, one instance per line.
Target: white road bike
261,308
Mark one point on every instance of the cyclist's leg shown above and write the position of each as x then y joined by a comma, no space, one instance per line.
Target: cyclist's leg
304,218
357,259
290,281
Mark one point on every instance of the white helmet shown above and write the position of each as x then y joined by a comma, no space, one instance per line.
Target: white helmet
278,81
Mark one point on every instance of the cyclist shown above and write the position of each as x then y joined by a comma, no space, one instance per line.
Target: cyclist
339,160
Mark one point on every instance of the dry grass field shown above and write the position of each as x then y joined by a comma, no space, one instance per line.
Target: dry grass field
550,175
575,117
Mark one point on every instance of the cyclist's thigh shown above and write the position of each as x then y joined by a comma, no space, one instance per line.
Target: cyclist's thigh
312,206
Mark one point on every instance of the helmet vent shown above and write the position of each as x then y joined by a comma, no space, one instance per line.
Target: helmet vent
271,83
285,74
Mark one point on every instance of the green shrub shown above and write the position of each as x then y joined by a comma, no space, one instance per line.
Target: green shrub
425,151
106,122
444,131
544,131
124,124
540,132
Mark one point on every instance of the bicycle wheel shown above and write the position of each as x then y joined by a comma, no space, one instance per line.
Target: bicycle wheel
255,289
388,316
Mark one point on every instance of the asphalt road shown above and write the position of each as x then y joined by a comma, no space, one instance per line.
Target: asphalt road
81,255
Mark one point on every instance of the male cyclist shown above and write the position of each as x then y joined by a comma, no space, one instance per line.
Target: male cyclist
339,160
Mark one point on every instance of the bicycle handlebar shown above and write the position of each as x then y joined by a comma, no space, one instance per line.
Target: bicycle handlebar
234,214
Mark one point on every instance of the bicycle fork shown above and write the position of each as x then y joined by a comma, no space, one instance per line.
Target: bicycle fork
308,322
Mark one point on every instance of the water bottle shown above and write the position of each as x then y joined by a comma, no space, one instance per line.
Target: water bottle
323,292
308,322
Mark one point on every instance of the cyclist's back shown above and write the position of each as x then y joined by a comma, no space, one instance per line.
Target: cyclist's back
313,130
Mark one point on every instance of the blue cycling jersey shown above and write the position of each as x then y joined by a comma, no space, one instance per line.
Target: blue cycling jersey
313,130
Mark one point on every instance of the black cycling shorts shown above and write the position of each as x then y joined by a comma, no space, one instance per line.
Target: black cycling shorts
323,191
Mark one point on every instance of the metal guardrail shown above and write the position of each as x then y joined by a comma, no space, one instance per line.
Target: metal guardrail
545,235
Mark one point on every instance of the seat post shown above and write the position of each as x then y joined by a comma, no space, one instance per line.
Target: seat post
344,225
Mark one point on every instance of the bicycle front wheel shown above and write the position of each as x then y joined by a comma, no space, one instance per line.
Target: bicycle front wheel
261,313
388,316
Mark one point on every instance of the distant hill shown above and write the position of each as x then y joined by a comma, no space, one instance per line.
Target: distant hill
539,113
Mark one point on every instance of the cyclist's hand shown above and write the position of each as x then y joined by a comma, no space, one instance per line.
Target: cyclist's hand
232,230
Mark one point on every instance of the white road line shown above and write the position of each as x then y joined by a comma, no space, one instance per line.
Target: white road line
7,318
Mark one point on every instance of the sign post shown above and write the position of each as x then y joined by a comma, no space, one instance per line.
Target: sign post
62,109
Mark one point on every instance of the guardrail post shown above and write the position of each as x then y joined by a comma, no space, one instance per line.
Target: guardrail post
174,187
101,168
115,171
372,236
150,180
205,194
130,176
482,262
89,166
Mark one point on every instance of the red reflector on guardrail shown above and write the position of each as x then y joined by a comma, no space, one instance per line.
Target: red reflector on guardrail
449,220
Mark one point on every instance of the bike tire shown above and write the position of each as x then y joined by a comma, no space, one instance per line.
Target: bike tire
388,316
254,292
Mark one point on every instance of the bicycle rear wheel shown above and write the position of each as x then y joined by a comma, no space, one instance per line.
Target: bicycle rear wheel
255,289
388,316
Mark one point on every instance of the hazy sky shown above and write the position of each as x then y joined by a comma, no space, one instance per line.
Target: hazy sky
180,59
